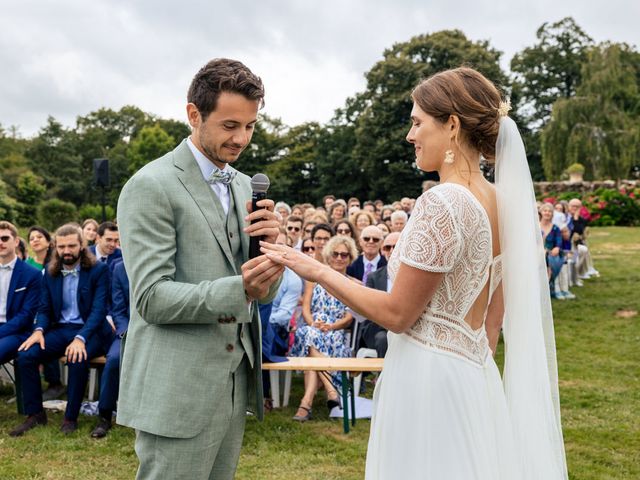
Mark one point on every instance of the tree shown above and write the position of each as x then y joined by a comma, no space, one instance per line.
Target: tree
266,147
30,191
543,73
292,174
551,69
151,142
54,213
7,203
600,126
381,150
53,156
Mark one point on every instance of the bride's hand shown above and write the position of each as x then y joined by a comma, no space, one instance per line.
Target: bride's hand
305,266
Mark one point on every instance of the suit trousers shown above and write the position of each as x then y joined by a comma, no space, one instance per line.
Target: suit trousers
56,340
9,346
213,453
110,378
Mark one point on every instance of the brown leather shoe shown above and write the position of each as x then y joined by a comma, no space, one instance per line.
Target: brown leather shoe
32,421
102,428
68,426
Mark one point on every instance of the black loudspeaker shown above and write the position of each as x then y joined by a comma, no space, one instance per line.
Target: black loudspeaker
101,172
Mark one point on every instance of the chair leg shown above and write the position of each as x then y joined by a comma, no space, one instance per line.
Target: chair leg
274,379
287,388
92,383
357,380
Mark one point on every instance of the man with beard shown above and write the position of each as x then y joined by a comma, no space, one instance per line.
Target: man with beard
71,322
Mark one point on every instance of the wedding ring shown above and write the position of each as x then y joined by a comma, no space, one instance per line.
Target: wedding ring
284,255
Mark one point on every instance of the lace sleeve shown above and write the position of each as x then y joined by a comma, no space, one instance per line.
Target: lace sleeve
432,240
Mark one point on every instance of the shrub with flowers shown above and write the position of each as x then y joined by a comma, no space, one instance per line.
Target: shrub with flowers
606,206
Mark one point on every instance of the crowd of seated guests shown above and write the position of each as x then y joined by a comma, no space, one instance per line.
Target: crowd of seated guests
66,299
68,296
564,232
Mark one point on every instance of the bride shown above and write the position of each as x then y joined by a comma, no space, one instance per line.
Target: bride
470,257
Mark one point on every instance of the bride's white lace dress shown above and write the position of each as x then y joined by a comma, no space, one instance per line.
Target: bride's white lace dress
439,408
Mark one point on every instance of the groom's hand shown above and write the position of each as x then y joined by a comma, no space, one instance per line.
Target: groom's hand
258,274
267,223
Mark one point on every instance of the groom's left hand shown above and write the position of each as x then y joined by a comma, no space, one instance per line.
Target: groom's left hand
267,224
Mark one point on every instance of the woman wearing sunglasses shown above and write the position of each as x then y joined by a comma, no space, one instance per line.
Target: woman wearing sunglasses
323,332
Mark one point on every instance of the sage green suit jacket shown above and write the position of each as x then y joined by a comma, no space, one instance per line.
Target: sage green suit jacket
186,298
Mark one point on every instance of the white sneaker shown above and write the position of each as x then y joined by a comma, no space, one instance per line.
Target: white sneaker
593,272
579,283
568,295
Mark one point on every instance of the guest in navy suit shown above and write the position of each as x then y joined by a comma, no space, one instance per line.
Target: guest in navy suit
70,321
111,373
373,335
19,294
370,260
106,246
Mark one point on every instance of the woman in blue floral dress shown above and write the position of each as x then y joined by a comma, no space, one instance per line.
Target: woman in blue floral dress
323,332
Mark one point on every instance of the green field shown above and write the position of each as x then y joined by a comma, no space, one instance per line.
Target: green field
599,362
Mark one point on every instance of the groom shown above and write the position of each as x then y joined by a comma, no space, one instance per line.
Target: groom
191,357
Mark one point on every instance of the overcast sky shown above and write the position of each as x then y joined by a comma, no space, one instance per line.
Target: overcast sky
69,57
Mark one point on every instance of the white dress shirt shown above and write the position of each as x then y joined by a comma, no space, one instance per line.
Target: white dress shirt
207,168
5,280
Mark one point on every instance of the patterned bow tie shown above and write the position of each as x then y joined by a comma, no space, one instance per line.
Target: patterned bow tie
73,273
225,177
5,267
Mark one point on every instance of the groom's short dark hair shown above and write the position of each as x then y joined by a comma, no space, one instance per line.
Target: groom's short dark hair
223,75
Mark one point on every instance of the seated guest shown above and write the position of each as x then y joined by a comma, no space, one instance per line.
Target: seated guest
70,321
361,220
19,294
106,246
321,234
337,211
294,231
21,249
297,210
370,260
373,335
552,241
89,231
564,277
283,308
323,332
308,248
345,228
398,220
384,228
327,200
284,210
40,243
111,374
578,226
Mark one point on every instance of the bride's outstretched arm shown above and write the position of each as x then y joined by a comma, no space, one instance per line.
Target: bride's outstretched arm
396,311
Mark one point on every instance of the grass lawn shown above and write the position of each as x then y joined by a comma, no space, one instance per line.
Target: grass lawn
599,363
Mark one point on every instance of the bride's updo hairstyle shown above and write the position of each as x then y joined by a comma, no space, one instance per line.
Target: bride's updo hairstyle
467,94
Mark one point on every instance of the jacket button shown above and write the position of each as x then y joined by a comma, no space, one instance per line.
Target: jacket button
229,348
230,234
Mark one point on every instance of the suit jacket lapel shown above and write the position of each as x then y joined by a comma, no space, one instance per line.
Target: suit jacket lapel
83,280
13,283
56,286
190,176
241,212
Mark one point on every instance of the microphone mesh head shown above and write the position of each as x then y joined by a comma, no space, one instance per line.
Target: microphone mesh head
260,183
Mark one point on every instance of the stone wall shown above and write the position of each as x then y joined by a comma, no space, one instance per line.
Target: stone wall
543,188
